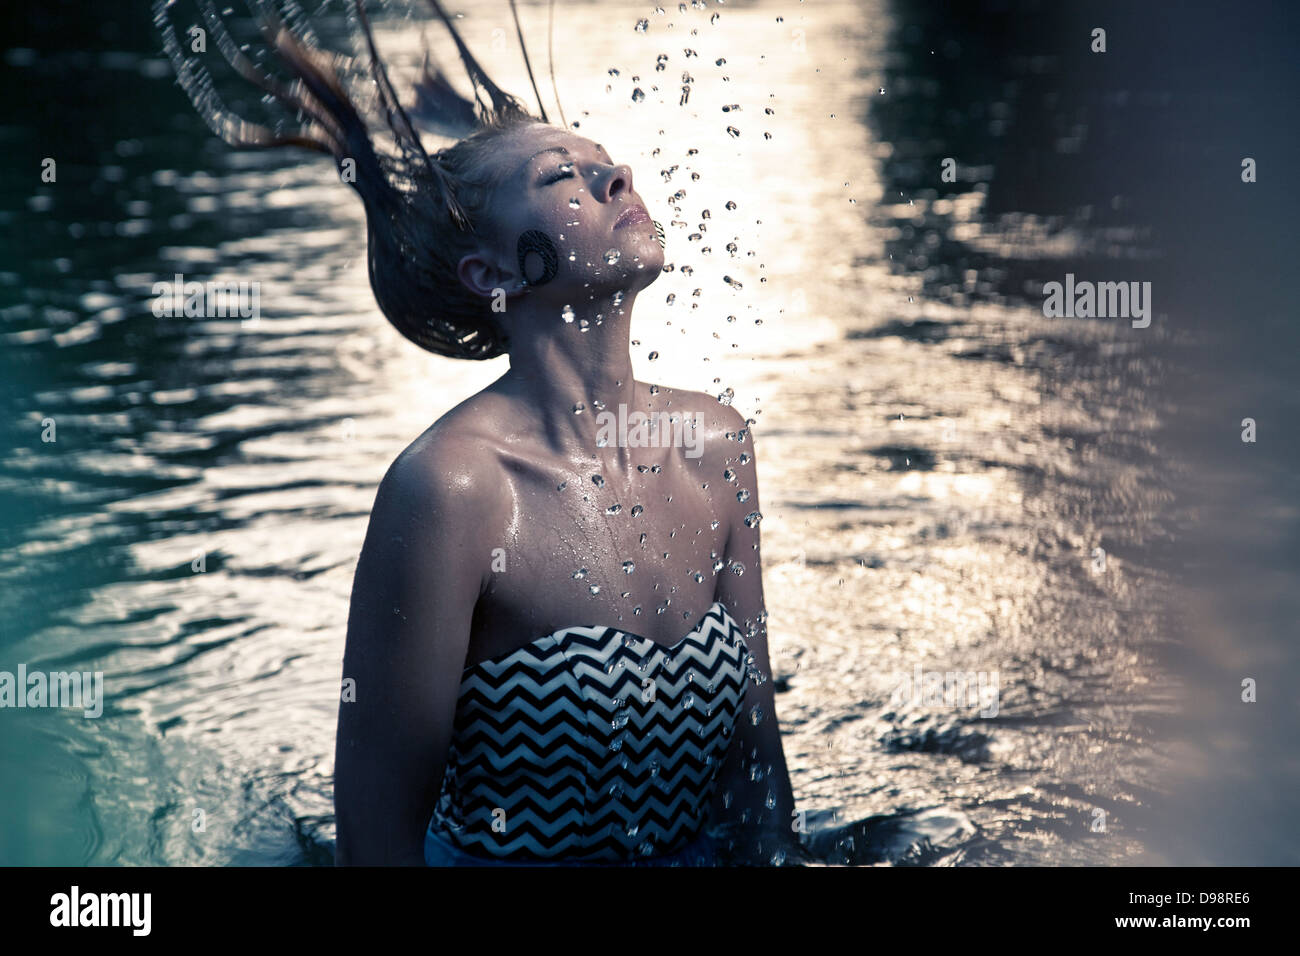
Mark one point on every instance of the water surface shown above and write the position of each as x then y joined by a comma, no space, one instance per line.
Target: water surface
940,463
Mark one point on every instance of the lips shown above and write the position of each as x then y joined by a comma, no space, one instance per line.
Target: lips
631,216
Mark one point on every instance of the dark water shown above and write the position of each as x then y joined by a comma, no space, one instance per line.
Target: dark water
941,463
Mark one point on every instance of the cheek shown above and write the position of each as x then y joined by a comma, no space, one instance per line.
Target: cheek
539,258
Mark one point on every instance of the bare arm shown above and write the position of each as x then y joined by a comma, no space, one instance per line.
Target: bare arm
740,802
413,597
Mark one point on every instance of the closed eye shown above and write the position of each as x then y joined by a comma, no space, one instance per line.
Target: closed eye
565,171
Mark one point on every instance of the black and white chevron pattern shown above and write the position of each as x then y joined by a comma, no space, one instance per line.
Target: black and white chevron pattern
557,754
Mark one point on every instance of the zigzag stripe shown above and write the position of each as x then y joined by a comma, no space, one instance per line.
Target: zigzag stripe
544,733
539,676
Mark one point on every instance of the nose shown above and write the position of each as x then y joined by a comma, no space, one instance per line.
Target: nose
617,180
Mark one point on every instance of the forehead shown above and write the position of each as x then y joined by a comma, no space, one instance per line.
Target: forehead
527,142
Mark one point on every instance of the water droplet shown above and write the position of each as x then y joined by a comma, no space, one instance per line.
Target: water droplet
756,715
742,494
578,408
628,567
653,356
726,397
595,589
567,313
636,510
561,486
613,509
733,131
579,574
638,95
598,481
642,25
737,569
753,518
612,256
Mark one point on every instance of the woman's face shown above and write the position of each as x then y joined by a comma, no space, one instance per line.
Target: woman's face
570,190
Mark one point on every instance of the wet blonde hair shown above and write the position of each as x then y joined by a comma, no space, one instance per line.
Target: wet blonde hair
424,211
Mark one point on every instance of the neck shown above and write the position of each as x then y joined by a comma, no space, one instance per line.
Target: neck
557,365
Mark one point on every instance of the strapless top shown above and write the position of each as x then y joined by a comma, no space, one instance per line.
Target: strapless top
593,744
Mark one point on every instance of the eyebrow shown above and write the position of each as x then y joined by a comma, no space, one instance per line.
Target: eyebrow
549,149
557,149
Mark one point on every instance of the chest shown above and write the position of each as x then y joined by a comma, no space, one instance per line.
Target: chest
639,551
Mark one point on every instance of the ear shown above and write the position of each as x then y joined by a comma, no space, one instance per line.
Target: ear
483,275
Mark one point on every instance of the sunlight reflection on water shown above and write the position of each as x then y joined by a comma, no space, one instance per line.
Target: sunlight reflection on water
933,487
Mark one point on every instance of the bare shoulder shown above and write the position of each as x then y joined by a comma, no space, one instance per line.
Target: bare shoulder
723,447
716,423
451,471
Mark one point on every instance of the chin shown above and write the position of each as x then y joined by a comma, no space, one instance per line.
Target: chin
654,268
652,255
655,260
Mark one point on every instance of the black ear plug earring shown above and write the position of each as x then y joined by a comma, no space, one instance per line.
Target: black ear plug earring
537,242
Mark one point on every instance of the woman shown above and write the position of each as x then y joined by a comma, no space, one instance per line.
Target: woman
556,648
